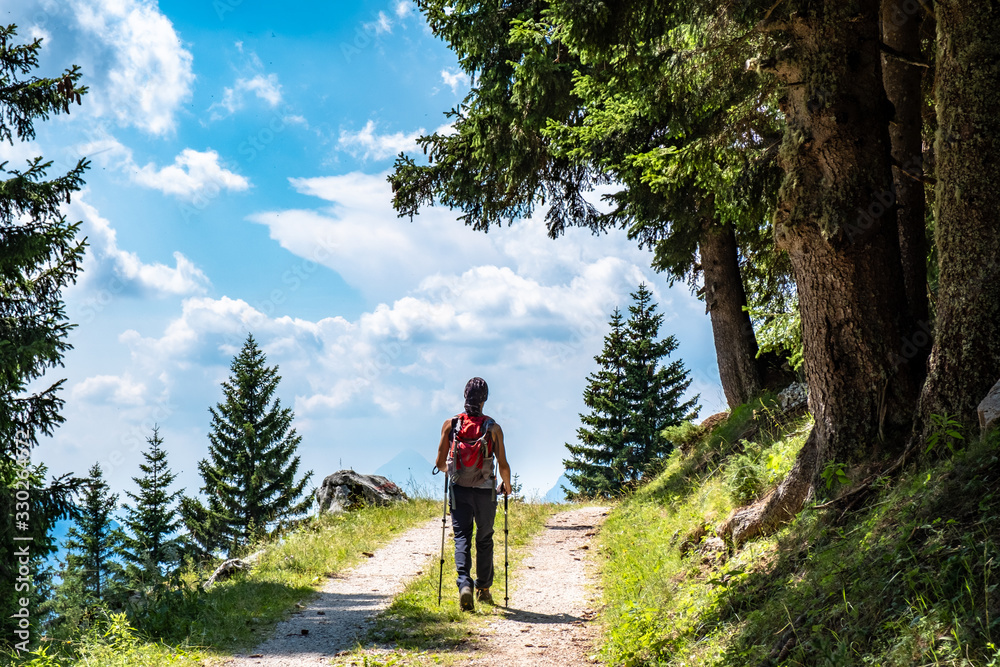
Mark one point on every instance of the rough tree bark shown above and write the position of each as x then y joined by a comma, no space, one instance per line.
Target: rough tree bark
903,77
965,360
835,219
725,299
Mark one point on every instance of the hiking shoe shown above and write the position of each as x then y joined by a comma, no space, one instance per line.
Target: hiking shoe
465,599
483,595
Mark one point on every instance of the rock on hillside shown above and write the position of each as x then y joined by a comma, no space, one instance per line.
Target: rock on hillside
989,409
346,489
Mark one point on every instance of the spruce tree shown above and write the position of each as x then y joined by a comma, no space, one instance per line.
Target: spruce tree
591,469
249,475
150,549
653,391
39,255
632,398
92,576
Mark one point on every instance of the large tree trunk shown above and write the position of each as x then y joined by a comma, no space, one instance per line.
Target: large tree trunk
965,361
835,220
725,300
903,77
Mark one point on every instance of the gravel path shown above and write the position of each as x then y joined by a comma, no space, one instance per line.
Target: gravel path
551,608
339,616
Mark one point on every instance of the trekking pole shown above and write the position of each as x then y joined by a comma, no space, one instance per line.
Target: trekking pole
444,521
506,589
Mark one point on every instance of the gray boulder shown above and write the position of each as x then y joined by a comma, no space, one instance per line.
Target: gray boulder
346,489
989,409
793,397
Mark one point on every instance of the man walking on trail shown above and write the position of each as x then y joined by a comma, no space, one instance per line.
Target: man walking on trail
469,444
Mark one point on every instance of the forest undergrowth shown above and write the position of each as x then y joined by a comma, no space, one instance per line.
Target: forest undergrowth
909,578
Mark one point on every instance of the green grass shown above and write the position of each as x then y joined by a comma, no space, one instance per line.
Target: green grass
414,630
911,578
189,625
240,610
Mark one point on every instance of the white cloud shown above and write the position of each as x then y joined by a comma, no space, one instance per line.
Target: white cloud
105,149
109,270
360,237
266,88
381,25
18,154
38,32
110,389
446,130
148,70
454,78
404,9
193,176
369,145
389,352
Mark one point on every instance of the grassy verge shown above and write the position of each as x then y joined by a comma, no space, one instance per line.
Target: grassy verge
414,630
910,579
189,625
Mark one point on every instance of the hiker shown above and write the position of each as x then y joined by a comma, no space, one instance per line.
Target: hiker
469,444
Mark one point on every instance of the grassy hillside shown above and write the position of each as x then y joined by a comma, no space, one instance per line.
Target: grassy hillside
910,578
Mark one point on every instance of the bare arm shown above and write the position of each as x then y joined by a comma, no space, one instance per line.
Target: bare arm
442,457
502,464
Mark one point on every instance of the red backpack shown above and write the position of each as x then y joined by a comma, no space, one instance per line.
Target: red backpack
470,459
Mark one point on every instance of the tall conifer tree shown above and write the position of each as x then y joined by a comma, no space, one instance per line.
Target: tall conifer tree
591,469
91,546
151,547
653,391
632,399
39,255
251,467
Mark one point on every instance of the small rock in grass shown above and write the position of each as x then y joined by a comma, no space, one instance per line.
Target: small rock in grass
989,409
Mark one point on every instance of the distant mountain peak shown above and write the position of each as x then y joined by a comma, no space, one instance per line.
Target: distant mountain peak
413,473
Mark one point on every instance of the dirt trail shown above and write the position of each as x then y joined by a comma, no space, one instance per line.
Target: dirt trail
551,606
548,622
336,619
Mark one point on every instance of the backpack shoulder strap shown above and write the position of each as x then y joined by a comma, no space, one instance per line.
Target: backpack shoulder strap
486,437
456,424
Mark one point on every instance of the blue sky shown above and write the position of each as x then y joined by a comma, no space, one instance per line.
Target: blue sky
239,155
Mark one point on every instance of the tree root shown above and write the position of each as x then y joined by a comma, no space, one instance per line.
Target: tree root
781,505
785,502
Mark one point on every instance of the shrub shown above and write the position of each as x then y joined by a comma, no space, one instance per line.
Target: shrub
683,436
746,477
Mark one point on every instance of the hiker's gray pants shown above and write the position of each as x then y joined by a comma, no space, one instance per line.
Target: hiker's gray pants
470,506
